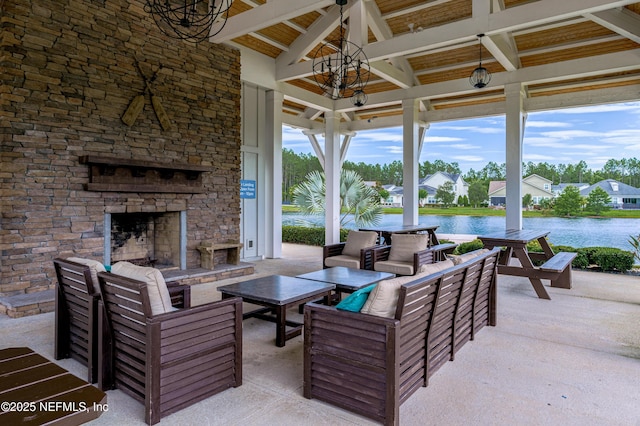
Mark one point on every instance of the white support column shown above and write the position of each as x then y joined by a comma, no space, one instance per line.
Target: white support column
273,174
515,119
332,177
410,168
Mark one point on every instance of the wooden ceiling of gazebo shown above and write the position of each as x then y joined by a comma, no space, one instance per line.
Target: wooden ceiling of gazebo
564,53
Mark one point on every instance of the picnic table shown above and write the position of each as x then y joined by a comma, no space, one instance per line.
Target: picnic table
556,267
384,233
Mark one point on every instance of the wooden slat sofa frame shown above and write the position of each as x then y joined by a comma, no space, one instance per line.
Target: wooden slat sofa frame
370,365
167,361
76,313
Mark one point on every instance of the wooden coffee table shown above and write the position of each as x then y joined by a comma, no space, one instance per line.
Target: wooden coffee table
277,293
34,390
347,280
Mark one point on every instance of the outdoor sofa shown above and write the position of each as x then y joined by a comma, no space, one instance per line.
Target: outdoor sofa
370,364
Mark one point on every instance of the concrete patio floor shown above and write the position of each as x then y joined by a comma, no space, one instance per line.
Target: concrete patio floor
572,360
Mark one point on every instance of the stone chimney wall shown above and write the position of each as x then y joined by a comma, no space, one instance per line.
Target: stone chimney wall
68,73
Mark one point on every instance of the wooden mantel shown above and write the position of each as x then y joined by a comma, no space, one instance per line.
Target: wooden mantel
112,174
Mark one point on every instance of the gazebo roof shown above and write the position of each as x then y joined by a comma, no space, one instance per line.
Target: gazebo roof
562,53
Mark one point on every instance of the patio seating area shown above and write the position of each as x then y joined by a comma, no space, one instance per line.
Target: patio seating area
571,360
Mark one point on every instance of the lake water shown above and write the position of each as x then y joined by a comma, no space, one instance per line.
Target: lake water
575,232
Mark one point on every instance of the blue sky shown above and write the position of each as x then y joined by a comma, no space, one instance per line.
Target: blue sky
594,134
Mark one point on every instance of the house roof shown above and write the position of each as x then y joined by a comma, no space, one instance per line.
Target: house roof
562,53
451,176
613,187
496,185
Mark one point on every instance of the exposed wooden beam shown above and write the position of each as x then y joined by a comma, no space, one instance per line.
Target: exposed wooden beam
270,13
623,22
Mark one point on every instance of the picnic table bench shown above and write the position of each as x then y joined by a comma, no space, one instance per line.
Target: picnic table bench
556,266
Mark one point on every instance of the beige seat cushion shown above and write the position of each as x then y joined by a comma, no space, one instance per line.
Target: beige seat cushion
458,259
342,260
398,268
357,240
159,297
403,246
94,267
383,299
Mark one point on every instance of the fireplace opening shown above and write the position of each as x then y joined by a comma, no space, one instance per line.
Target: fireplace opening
146,239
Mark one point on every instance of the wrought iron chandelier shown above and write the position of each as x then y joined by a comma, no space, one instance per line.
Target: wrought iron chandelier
189,20
341,68
480,76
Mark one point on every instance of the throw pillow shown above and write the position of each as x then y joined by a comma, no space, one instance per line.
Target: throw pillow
432,268
403,246
357,240
458,259
94,267
383,299
159,297
356,300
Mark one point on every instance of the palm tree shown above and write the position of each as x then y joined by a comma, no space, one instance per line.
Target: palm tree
356,198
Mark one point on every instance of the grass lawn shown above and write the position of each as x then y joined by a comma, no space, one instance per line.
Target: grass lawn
485,211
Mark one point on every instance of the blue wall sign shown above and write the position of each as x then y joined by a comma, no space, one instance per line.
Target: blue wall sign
247,188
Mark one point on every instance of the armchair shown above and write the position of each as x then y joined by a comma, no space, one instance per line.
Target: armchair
354,253
407,254
76,310
167,360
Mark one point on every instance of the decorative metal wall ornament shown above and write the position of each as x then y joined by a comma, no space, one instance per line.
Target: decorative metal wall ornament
341,68
480,76
189,20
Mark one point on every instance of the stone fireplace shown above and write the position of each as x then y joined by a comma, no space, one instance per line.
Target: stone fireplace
71,167
146,239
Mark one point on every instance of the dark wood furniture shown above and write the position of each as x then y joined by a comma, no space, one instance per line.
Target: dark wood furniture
370,365
168,361
76,315
277,293
429,255
385,232
76,321
556,268
35,391
346,280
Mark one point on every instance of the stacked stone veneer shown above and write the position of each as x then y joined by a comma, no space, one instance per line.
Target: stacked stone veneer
68,73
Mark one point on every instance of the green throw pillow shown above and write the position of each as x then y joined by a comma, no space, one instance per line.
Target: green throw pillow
355,301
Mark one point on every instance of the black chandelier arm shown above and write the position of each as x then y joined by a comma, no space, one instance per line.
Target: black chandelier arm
190,20
341,68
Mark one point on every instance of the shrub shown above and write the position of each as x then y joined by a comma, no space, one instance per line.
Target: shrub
469,246
307,235
613,259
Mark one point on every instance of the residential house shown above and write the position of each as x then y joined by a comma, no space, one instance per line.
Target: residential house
395,196
557,189
431,182
623,196
537,186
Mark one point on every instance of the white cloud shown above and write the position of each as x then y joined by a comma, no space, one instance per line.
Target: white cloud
439,139
464,146
535,123
475,129
468,158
